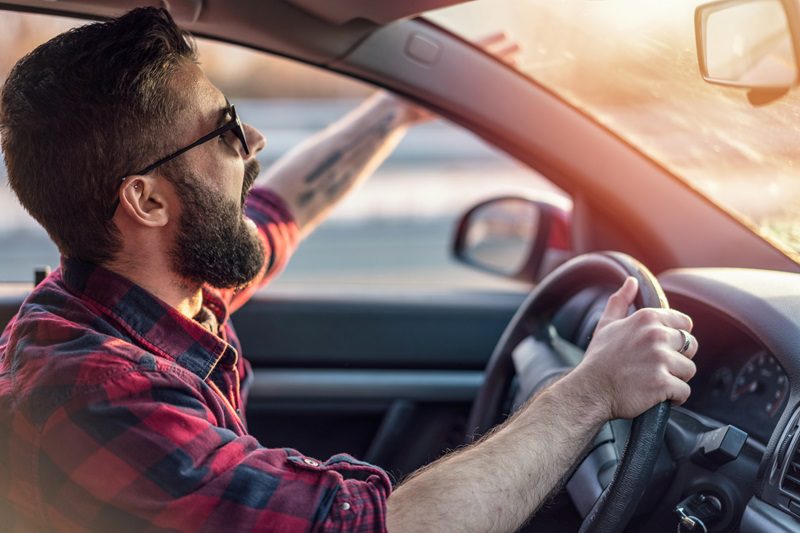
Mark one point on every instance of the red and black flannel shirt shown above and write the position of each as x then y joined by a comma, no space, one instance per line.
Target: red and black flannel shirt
117,413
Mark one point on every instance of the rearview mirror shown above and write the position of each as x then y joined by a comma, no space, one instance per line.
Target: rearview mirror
514,237
748,43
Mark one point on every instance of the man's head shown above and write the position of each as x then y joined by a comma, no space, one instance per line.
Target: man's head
103,101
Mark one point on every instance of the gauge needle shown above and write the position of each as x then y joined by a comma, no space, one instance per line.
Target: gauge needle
749,387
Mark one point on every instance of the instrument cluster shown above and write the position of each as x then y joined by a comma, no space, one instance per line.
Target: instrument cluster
747,389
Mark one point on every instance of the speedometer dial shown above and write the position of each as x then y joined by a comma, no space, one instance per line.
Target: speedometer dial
761,385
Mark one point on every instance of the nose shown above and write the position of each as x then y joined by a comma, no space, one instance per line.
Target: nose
255,140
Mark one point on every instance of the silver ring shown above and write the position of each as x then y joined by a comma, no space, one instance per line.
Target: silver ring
687,340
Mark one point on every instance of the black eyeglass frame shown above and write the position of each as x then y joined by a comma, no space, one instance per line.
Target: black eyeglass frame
234,124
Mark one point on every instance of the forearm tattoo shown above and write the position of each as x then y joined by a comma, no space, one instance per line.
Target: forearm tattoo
331,177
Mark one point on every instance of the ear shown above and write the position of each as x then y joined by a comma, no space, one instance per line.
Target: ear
143,199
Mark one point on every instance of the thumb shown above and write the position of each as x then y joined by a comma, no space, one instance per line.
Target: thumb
618,303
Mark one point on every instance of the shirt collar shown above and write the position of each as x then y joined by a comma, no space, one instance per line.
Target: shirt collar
153,324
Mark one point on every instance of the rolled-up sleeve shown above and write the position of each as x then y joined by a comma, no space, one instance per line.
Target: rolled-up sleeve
142,452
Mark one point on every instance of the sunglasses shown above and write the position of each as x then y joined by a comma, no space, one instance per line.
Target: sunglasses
234,125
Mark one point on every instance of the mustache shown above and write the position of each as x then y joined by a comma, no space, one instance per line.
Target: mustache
251,171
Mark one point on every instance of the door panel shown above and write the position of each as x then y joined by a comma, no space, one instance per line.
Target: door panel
389,379
448,331
371,385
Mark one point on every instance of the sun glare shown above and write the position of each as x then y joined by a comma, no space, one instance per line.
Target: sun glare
637,15
632,65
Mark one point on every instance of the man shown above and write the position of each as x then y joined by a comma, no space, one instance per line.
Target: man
122,387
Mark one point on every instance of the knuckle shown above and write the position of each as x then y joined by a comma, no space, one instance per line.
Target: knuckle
685,392
655,334
692,370
662,358
661,380
695,345
689,322
656,316
647,316
683,317
685,369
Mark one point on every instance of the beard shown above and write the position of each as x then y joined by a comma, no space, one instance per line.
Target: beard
215,244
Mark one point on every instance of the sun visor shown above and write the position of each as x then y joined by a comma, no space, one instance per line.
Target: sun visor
379,12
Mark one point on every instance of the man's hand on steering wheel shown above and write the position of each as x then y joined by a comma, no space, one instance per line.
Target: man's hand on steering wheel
632,365
633,362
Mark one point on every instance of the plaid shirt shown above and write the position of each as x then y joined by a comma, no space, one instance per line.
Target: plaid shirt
117,413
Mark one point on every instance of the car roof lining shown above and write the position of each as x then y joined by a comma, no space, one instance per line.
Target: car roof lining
272,25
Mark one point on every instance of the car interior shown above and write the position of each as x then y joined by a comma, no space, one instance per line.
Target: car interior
392,377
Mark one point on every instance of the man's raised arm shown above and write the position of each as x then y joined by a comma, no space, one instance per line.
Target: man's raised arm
314,176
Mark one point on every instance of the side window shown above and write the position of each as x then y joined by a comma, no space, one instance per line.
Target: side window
24,245
394,232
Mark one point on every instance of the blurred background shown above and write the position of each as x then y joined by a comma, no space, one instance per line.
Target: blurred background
394,232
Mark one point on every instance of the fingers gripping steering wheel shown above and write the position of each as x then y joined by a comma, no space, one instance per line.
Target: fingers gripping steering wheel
613,510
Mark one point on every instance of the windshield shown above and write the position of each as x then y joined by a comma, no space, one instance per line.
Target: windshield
632,65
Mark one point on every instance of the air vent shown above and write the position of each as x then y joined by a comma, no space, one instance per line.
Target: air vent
789,455
791,477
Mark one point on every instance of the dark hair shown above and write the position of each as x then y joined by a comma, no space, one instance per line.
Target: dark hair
83,110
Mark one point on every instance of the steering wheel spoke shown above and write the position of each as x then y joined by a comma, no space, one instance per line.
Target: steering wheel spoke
537,363
594,473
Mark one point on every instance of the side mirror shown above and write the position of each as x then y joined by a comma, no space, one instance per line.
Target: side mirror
514,237
749,44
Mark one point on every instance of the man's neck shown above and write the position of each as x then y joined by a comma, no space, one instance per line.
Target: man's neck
186,297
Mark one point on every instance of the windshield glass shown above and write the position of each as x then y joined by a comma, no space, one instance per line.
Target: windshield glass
632,65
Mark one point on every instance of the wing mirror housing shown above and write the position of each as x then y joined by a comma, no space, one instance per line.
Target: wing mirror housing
750,44
514,237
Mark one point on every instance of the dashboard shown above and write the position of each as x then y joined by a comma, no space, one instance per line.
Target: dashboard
747,323
738,382
741,377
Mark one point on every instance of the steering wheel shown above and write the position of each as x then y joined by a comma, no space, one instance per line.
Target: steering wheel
614,508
